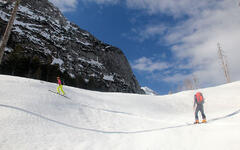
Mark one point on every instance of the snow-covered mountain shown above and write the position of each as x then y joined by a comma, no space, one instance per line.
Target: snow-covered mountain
149,91
44,44
34,118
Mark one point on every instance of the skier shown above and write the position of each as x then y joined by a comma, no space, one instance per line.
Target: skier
59,86
199,100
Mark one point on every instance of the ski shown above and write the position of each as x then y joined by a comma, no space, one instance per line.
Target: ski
59,94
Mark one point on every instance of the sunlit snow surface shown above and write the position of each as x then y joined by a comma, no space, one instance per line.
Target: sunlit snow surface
33,118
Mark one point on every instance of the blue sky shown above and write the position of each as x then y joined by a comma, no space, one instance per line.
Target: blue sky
166,42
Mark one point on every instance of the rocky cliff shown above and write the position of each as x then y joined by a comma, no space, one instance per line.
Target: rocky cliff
44,44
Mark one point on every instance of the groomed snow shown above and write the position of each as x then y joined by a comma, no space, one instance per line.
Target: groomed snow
33,118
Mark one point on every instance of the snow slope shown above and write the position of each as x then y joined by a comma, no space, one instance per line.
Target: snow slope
32,118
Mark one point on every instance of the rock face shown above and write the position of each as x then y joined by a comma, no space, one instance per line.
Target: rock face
44,44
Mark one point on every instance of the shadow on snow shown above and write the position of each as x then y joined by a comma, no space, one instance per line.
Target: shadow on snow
111,132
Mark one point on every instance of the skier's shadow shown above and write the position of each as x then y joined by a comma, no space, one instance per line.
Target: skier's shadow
110,132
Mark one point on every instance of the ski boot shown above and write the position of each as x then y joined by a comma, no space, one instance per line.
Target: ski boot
196,122
204,121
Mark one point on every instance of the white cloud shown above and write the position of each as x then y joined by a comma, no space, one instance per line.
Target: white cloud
65,5
146,64
149,31
196,38
71,5
175,8
199,37
178,77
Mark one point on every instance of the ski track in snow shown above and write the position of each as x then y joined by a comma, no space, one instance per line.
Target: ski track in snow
101,109
111,132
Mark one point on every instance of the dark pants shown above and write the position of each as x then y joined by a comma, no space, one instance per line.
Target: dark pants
199,108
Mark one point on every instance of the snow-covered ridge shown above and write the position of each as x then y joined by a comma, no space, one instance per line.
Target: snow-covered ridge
34,118
149,91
